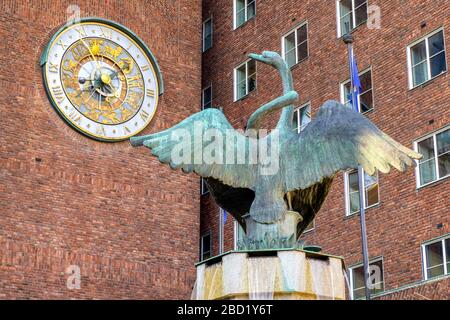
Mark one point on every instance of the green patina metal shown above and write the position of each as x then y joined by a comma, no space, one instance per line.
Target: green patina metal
284,203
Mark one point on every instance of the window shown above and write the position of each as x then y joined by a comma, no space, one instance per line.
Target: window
207,98
244,79
350,14
357,279
302,116
426,59
205,246
436,257
365,98
371,191
295,45
207,34
435,164
244,10
203,187
239,236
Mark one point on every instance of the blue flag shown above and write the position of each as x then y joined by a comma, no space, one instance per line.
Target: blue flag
224,216
356,84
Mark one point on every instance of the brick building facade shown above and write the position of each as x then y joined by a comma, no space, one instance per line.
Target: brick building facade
406,215
133,226
129,224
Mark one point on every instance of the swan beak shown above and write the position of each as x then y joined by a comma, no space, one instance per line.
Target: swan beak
259,57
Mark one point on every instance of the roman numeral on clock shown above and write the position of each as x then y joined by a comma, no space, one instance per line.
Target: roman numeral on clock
100,130
75,116
145,68
144,115
81,32
58,93
62,44
53,67
150,93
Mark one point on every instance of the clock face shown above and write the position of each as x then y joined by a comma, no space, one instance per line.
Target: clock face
102,80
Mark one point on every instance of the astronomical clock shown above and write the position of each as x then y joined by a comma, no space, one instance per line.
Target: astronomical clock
102,79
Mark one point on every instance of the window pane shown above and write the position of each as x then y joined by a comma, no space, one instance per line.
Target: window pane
346,24
444,165
302,34
251,10
206,247
345,6
305,117
290,58
207,97
302,51
426,148
295,120
434,255
438,64
366,81
427,172
360,14
241,82
418,53
443,142
240,4
436,43
289,42
208,42
354,202
371,185
251,75
240,17
358,280
420,73
208,27
353,181
359,2
435,271
366,101
346,92
447,250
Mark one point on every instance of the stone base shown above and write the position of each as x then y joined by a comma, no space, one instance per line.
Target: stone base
270,274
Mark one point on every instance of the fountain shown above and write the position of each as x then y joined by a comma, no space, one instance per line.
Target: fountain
271,274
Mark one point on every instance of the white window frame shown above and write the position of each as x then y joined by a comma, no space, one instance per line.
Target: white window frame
235,84
428,58
338,16
283,46
416,148
221,230
201,245
246,2
347,193
424,257
350,274
204,34
203,96
299,127
342,90
203,189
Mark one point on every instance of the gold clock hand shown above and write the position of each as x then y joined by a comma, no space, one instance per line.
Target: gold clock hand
90,51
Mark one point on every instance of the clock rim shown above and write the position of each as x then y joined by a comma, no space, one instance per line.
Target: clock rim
133,37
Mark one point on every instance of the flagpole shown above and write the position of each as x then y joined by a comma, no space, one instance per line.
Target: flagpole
348,40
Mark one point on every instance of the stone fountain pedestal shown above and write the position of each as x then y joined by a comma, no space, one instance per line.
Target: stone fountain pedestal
270,274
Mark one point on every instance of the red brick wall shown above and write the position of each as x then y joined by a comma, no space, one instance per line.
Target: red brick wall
406,216
129,223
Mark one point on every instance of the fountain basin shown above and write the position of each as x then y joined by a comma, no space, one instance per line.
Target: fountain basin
291,274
